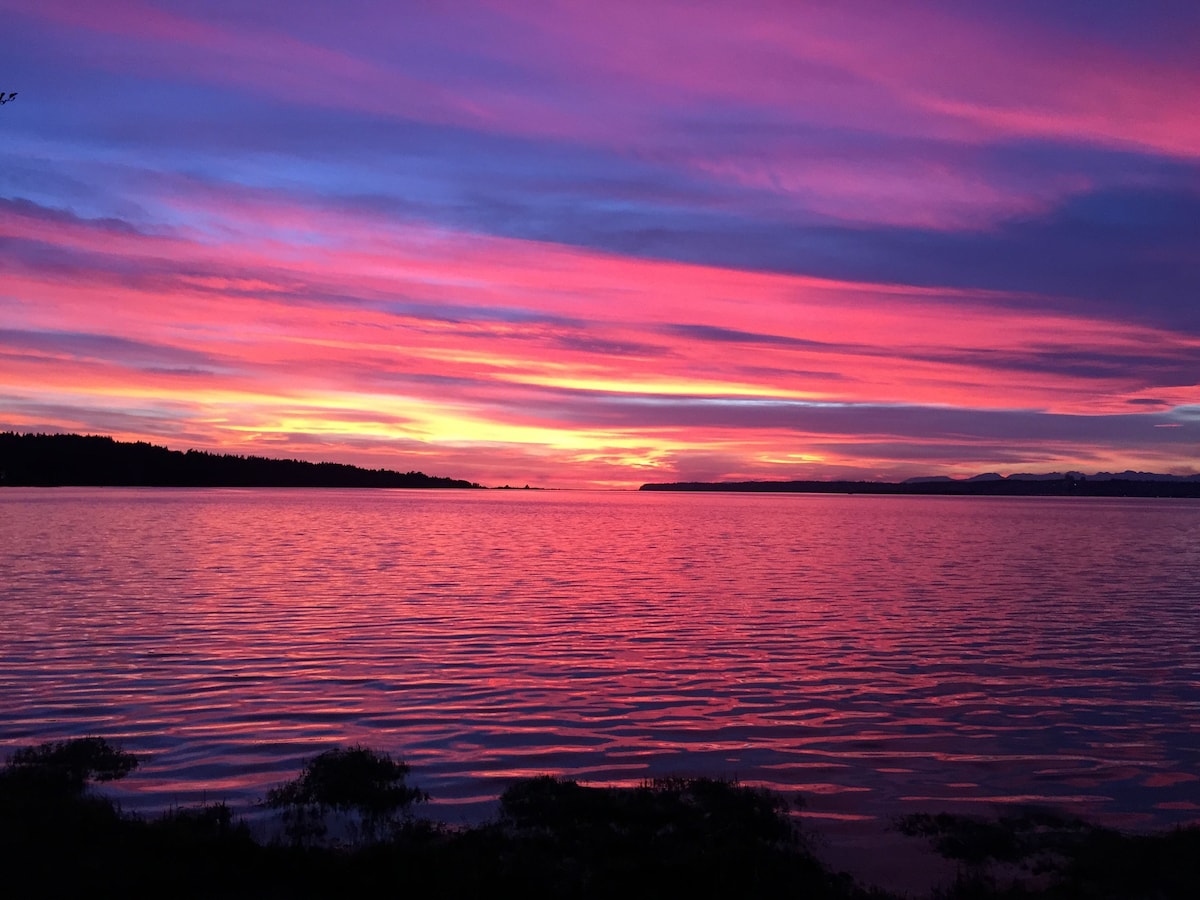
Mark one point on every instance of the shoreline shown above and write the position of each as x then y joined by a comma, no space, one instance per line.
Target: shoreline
1062,487
351,821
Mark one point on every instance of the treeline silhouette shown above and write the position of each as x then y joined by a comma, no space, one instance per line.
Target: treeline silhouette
1067,486
47,460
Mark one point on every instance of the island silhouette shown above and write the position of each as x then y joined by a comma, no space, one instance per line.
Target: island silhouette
1054,484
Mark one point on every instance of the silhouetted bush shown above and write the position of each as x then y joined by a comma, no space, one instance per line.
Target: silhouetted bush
71,764
357,780
671,837
1044,854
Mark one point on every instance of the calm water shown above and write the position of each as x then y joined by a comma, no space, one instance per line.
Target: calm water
878,655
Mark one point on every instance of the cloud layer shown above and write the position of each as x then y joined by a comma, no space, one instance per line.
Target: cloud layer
604,244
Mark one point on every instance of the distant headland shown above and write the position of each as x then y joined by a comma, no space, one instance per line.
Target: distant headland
1055,484
60,460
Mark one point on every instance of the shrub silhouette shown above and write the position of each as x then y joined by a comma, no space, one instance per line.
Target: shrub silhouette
688,837
1071,857
667,837
366,783
45,806
65,767
697,808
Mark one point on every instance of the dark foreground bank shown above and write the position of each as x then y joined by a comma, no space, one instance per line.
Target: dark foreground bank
348,829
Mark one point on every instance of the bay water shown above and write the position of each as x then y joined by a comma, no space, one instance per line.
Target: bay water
872,655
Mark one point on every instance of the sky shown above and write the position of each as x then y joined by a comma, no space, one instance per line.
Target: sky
582,244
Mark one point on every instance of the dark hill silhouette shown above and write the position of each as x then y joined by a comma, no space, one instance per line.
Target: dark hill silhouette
45,460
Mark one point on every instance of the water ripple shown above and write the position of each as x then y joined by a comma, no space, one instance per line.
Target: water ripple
879,655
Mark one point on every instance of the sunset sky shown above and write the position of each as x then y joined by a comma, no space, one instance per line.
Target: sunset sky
580,244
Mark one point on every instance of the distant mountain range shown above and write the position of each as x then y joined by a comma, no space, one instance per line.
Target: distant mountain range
1127,475
46,460
1053,484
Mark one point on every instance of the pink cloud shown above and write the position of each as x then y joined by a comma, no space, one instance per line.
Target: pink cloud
625,73
917,69
450,345
638,79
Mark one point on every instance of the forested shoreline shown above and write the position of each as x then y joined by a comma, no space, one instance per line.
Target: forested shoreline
60,460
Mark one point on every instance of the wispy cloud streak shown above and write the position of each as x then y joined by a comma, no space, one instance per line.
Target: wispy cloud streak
600,245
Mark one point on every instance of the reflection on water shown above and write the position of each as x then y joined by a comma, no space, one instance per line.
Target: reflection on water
878,654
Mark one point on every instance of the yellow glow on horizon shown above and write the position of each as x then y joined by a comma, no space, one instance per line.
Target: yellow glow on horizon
792,458
675,387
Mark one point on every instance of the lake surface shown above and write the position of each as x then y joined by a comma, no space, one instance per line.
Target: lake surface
877,655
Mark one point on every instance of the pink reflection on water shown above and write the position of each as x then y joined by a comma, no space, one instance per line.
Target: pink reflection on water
875,655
